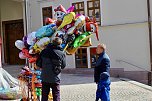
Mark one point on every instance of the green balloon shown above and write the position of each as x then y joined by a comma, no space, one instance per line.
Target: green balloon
81,39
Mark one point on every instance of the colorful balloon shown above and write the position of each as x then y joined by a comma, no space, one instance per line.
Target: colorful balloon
22,56
91,26
31,39
45,31
67,19
70,9
39,45
19,44
81,39
25,41
60,12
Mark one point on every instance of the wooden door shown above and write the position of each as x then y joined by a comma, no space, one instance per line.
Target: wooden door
81,58
13,30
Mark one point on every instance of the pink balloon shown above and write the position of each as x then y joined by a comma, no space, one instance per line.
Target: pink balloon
71,9
77,15
22,56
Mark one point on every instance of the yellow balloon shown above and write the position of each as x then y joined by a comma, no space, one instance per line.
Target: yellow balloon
67,19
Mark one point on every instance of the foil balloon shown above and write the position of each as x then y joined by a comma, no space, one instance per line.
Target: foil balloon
71,50
45,31
81,39
25,41
91,26
40,45
49,21
70,9
26,53
60,12
31,39
87,43
68,18
79,22
19,44
22,56
32,60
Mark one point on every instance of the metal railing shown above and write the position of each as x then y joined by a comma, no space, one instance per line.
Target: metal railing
134,65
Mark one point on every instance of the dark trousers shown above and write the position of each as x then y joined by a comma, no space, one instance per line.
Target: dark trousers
55,91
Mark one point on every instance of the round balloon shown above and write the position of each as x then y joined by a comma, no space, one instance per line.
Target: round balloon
19,44
31,39
25,41
22,56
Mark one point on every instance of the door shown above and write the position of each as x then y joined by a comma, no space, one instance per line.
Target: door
93,56
81,58
13,30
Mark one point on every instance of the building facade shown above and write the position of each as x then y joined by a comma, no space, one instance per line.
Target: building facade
123,27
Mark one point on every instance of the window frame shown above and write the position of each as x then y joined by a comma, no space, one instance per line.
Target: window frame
47,15
93,8
77,11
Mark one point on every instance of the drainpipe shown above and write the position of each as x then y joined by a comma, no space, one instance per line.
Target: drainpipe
25,14
150,42
25,22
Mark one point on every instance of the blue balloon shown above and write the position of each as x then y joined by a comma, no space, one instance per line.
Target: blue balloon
45,31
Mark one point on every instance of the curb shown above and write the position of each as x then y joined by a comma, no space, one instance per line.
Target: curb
147,87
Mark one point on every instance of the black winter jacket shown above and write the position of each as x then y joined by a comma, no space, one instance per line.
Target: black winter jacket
50,53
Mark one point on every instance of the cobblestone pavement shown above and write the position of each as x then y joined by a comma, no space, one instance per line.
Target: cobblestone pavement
80,87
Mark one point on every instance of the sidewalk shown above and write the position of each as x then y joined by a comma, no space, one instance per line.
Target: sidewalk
80,87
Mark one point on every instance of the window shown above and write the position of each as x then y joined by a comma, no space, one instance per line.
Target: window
79,7
81,58
47,13
94,10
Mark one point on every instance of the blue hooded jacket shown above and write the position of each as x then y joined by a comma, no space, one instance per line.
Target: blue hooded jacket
102,65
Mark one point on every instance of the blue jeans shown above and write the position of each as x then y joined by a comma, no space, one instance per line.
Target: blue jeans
55,91
103,92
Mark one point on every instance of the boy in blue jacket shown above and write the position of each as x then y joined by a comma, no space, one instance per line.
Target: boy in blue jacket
101,74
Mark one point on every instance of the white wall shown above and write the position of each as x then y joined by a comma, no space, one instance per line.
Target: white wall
54,5
151,7
12,12
129,43
33,15
35,12
123,11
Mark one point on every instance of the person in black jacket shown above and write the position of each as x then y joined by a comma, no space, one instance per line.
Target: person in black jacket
52,60
102,66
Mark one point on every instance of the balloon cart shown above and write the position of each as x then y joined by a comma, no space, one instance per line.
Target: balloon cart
75,30
30,83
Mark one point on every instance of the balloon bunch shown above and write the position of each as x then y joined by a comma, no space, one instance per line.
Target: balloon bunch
74,29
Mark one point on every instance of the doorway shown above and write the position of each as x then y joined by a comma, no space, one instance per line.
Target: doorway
81,58
93,56
12,30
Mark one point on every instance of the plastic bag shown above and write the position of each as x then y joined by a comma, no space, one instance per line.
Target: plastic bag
9,86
